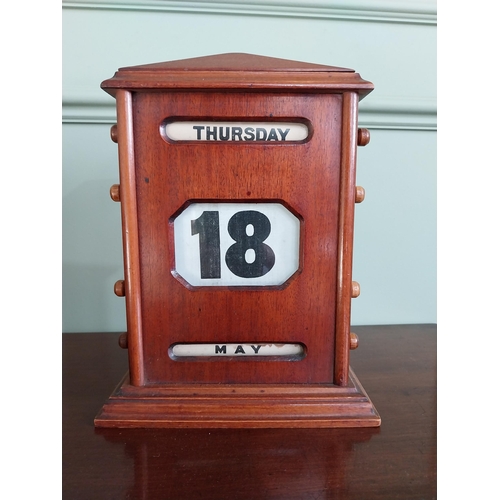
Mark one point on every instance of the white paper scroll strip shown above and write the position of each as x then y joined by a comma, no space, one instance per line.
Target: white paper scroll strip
243,350
269,132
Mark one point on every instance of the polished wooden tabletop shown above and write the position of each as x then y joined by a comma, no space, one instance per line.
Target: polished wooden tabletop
396,365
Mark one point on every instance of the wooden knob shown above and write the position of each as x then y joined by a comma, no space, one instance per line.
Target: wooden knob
363,136
114,192
360,194
114,133
355,289
123,340
120,288
354,341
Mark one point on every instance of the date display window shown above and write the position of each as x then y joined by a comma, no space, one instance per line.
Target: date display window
236,244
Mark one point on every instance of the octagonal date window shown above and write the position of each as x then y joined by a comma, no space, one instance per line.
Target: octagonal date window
236,244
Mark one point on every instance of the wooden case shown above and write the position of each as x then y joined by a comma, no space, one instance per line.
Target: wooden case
312,180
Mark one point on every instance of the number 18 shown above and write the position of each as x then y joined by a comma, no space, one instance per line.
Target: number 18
248,257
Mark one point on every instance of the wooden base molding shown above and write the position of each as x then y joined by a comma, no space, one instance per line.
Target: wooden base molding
238,406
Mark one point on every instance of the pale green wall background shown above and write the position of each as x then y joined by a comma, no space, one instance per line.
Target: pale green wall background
391,43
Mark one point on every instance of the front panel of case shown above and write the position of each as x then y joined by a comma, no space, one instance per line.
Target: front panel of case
237,201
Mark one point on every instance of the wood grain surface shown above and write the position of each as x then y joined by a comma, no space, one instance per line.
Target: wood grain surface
170,175
397,366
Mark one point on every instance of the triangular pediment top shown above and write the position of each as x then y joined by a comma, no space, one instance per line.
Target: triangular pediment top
237,72
236,62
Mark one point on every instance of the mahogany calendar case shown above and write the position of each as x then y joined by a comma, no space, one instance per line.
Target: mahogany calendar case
237,189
